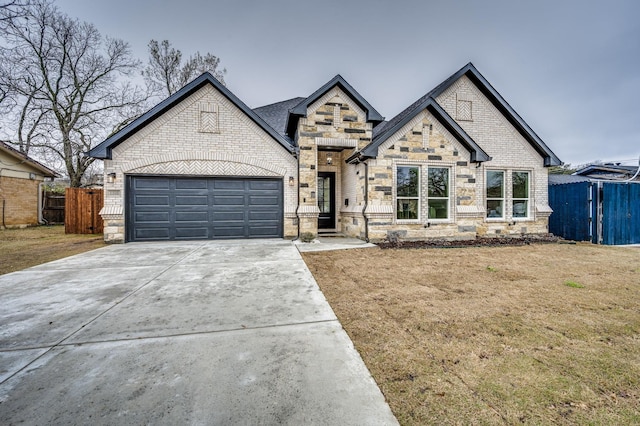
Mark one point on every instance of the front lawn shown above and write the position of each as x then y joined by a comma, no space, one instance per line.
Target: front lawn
539,334
22,248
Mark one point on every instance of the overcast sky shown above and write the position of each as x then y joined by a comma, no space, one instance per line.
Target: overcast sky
569,68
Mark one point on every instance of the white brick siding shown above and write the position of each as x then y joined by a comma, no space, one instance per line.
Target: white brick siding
175,144
497,137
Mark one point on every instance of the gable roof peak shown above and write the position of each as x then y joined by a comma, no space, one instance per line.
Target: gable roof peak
300,110
429,99
103,150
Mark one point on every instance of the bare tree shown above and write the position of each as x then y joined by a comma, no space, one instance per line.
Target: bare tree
67,85
12,9
9,10
166,74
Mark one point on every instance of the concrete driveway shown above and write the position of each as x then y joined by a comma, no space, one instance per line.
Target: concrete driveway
216,332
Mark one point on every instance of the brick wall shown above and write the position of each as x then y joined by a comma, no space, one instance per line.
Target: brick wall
20,197
204,135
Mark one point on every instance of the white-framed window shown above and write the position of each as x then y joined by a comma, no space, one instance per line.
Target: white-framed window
520,194
495,194
438,193
407,192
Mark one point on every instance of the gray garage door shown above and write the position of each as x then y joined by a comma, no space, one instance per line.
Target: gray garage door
176,208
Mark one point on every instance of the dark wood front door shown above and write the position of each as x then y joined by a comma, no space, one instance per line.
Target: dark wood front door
326,200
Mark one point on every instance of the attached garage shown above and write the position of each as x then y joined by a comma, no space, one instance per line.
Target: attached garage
162,208
200,165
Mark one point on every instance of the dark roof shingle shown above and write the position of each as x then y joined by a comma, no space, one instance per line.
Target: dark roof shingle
275,115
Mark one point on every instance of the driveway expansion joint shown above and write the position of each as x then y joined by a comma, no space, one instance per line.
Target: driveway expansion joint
168,336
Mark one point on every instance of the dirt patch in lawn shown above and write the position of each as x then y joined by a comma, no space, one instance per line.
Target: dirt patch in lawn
537,334
23,248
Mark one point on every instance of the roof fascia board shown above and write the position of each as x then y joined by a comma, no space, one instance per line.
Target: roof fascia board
477,154
602,168
550,159
9,150
372,114
300,110
104,149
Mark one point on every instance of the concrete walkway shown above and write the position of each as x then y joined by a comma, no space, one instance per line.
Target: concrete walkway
217,332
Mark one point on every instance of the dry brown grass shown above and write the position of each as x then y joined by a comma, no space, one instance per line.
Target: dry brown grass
22,248
540,334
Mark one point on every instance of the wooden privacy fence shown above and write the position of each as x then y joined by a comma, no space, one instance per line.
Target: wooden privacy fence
52,207
82,207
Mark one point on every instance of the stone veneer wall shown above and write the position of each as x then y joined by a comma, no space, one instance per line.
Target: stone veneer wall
334,121
204,135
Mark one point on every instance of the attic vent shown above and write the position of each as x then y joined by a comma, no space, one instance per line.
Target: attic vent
464,110
209,118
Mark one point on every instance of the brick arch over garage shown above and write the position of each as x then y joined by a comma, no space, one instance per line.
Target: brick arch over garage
204,163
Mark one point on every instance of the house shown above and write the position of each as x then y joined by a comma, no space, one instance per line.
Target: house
20,178
459,163
610,172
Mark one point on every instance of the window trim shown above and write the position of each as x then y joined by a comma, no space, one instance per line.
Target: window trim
418,198
503,215
528,199
447,198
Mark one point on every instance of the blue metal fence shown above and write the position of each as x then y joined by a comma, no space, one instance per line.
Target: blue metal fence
600,212
572,214
620,213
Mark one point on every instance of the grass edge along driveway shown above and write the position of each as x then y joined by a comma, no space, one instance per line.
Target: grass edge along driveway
539,334
22,248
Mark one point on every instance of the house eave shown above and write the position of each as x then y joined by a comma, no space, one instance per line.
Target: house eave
300,110
46,172
470,71
477,154
104,149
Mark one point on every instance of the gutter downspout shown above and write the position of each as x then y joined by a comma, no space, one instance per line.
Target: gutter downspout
366,201
636,175
3,226
41,219
298,190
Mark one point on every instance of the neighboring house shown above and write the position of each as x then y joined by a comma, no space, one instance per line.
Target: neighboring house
20,177
596,210
609,172
458,163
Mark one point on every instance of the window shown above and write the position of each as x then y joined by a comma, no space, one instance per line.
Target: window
324,194
520,198
495,194
407,192
438,193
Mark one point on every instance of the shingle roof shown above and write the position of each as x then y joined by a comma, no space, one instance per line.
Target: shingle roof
275,115
103,150
380,135
24,158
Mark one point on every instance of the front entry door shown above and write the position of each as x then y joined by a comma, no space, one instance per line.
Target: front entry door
326,200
